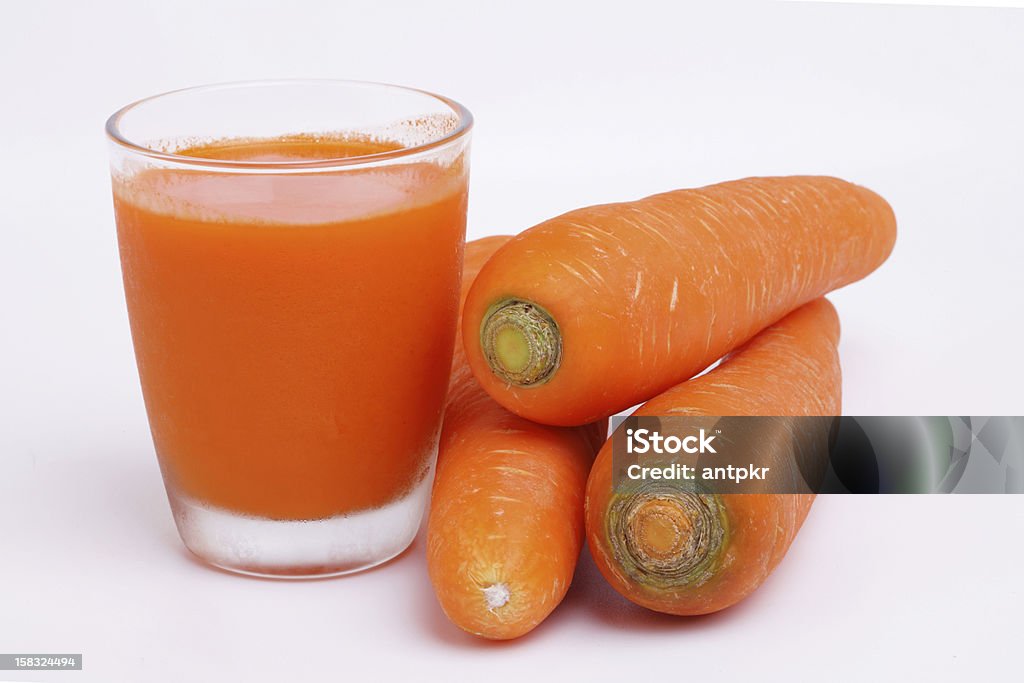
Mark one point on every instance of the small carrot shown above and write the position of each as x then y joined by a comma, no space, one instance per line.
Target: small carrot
506,514
601,308
680,552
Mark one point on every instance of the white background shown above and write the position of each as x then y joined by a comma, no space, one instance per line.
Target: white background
576,103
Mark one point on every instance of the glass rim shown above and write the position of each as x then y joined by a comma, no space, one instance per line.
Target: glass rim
115,135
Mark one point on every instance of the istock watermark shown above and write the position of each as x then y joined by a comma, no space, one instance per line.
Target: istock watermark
822,454
647,441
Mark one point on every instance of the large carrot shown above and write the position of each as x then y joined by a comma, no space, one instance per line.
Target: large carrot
676,551
601,308
506,514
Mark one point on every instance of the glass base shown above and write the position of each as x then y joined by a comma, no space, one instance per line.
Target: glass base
319,548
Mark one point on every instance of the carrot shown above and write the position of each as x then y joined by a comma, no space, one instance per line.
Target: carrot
506,515
676,551
601,308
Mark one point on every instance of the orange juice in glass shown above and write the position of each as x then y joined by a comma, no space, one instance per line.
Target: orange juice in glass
291,253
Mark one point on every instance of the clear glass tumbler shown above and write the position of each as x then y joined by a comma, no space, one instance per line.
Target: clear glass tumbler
291,253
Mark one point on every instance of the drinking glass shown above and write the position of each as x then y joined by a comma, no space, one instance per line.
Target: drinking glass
291,254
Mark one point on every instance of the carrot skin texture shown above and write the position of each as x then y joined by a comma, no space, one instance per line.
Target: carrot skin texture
505,525
791,368
646,294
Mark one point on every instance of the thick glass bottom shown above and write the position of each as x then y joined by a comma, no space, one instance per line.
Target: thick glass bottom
285,549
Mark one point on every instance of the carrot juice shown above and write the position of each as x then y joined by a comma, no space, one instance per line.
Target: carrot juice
292,254
293,332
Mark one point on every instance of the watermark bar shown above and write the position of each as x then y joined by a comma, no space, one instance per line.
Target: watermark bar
40,662
811,454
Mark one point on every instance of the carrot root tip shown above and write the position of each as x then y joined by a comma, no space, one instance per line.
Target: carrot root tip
521,342
496,596
667,538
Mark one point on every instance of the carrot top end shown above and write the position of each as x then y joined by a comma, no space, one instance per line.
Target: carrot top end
666,538
521,342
